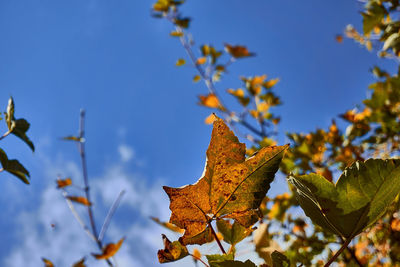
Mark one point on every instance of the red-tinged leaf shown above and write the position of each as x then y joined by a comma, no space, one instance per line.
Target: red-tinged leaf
64,183
80,200
109,250
201,60
47,263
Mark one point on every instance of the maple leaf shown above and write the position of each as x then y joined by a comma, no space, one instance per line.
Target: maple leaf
231,186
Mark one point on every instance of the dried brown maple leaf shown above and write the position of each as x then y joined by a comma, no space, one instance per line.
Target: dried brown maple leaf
231,186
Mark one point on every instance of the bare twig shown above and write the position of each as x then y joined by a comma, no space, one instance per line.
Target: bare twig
111,212
334,257
77,217
81,145
5,135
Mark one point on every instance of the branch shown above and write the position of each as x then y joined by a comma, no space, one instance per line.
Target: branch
81,146
216,237
111,212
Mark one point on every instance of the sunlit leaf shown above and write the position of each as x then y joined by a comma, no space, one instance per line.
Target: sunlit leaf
361,195
109,250
201,60
214,259
210,119
10,113
172,251
210,101
72,138
233,233
61,183
79,199
231,187
271,83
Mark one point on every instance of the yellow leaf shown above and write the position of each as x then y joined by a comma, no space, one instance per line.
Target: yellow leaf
201,60
210,101
210,119
176,34
63,183
196,78
271,83
196,254
47,263
254,113
377,30
80,200
180,62
109,250
262,107
238,51
238,92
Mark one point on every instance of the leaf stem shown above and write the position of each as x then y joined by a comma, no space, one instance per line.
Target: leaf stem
5,135
199,259
334,257
81,146
216,237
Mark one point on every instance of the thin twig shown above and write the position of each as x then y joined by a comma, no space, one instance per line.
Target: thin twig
77,217
216,237
334,257
199,259
5,135
111,212
81,145
353,254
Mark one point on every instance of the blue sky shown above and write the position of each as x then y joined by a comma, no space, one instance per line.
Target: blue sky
144,128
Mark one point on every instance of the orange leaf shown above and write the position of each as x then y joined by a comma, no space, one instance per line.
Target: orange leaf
47,263
63,183
109,250
238,51
80,200
201,61
210,119
210,101
80,263
339,38
196,254
271,83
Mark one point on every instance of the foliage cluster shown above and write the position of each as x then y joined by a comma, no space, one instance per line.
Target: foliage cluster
364,197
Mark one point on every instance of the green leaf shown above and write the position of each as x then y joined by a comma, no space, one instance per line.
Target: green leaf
172,251
232,263
20,129
359,198
215,259
14,167
373,17
10,113
279,260
232,233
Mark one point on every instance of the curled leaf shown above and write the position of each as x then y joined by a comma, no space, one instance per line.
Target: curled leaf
238,51
172,251
80,263
109,250
14,167
47,263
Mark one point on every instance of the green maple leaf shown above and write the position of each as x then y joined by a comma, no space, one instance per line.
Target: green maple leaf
359,198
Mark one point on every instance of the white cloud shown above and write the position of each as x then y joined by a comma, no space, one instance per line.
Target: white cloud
126,153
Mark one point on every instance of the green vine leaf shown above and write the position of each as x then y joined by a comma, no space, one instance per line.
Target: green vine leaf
231,187
359,198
